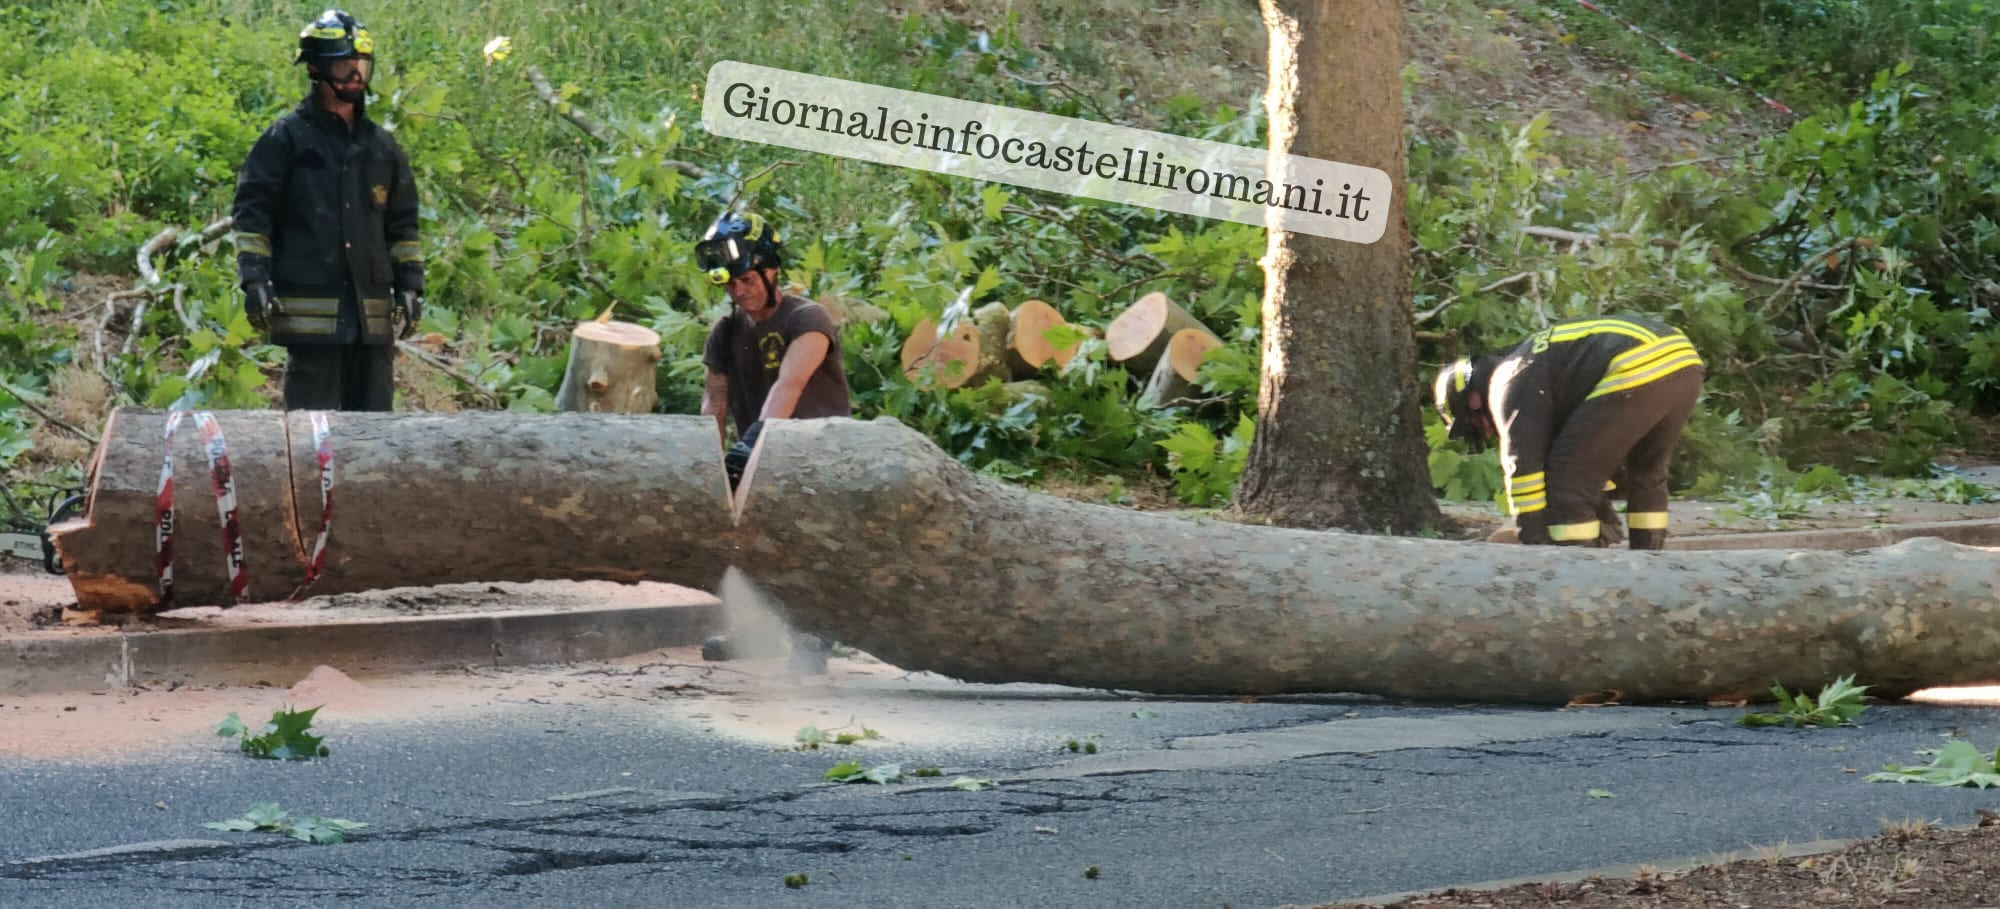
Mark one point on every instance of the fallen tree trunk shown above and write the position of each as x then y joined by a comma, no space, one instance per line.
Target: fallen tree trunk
867,533
611,369
417,500
910,557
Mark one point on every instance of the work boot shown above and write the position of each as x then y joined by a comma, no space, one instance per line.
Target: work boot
1649,539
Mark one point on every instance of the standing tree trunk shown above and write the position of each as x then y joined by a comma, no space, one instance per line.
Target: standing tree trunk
1339,431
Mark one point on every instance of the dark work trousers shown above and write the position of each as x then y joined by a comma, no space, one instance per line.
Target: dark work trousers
340,377
1631,434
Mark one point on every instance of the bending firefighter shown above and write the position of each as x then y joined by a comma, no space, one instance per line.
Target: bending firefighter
1574,407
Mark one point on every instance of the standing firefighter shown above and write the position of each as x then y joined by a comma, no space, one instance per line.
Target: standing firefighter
1573,406
326,218
773,355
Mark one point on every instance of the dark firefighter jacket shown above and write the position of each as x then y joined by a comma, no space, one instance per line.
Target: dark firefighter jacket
1553,372
330,218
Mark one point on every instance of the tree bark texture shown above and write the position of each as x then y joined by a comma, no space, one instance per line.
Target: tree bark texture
1339,439
910,557
417,500
869,534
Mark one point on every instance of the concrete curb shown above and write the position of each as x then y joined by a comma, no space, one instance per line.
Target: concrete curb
281,654
1977,532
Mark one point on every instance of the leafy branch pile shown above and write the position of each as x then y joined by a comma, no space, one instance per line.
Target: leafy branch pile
1838,276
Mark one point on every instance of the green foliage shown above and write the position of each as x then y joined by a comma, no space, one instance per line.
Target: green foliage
1837,705
1958,763
1205,469
267,816
285,737
810,738
796,880
1863,349
853,772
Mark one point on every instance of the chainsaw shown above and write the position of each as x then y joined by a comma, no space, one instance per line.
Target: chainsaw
32,541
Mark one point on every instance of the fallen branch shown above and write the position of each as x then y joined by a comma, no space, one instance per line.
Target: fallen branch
745,183
433,361
46,416
1792,283
590,126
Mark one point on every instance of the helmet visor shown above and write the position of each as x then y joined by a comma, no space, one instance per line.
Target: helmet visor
349,70
721,258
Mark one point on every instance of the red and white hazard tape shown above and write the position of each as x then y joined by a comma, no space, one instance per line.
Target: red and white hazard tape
323,453
1732,80
163,513
224,481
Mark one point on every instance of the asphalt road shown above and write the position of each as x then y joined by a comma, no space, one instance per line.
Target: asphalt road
618,802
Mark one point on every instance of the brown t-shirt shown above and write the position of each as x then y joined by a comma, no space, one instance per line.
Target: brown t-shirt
750,355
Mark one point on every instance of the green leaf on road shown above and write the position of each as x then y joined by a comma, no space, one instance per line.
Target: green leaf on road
1601,794
971,784
1958,763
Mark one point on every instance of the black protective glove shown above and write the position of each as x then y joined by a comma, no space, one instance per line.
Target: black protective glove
408,311
739,454
259,299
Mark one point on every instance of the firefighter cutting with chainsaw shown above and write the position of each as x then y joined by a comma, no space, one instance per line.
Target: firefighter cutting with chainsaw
1573,406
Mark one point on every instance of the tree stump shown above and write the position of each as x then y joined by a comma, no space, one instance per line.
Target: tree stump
1174,376
1139,336
611,369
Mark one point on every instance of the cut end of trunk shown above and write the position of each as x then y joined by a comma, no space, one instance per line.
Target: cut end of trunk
955,360
1188,348
1028,341
1137,327
621,334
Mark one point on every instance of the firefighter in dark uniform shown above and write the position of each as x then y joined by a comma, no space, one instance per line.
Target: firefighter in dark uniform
1574,406
326,218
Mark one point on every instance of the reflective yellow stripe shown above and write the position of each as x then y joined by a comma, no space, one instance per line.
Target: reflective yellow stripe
303,325
1527,493
256,244
1582,530
408,251
309,306
1528,482
1608,486
1590,327
1527,504
375,309
1646,520
1646,363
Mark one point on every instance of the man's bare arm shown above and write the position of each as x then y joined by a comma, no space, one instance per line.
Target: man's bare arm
802,357
715,401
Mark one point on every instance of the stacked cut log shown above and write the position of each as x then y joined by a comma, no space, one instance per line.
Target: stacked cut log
1162,344
995,342
611,368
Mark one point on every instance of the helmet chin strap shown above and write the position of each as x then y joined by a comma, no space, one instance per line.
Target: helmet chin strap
770,291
